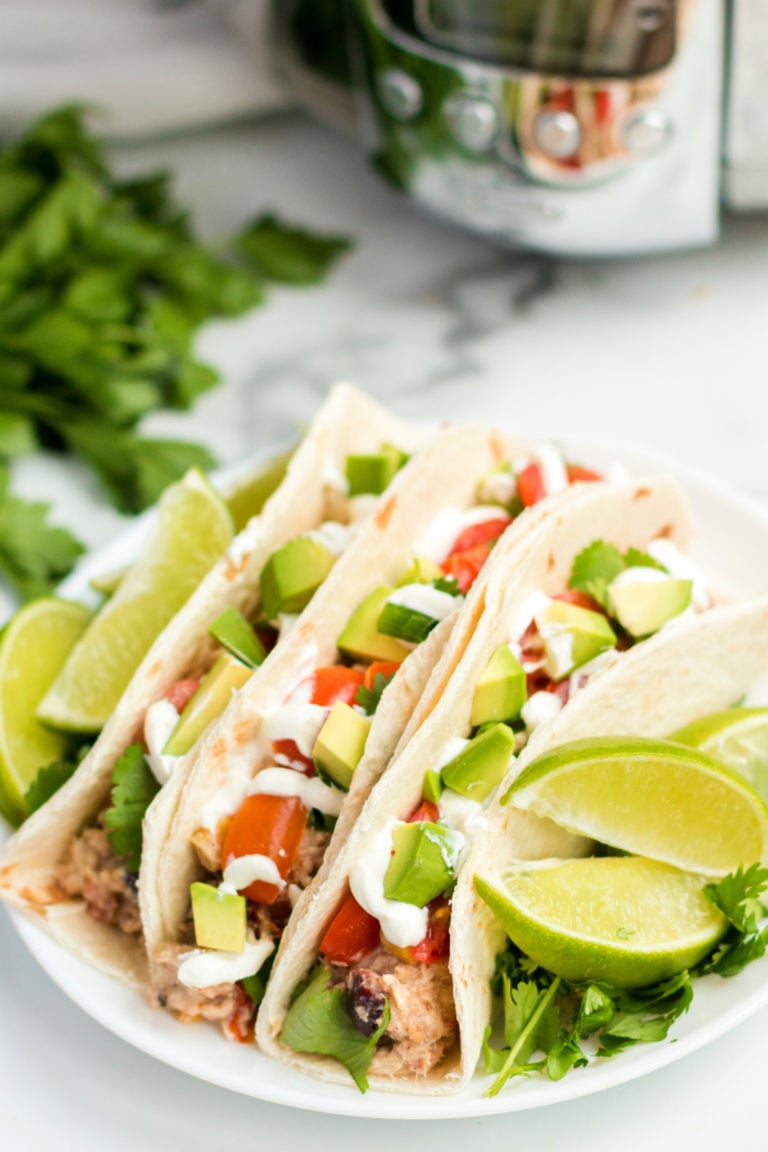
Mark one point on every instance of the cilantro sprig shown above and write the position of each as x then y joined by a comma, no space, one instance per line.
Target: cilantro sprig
103,285
133,789
370,698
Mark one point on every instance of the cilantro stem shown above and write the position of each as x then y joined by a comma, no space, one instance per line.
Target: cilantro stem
545,1000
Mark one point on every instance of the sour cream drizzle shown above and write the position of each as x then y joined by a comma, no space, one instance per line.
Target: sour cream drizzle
554,476
404,925
443,530
334,536
425,599
681,567
159,723
312,792
298,722
204,968
244,870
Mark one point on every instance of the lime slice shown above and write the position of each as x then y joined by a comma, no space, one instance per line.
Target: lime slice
651,798
249,497
33,650
192,530
738,738
622,920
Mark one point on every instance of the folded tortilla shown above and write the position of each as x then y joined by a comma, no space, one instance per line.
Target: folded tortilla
349,422
630,516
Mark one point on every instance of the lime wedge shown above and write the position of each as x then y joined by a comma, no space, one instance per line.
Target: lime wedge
651,798
622,920
738,738
249,496
192,530
33,650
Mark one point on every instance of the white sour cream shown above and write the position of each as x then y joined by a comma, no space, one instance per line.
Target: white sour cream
204,967
425,599
241,871
404,925
450,751
312,792
464,815
442,532
332,476
159,723
554,476
559,643
298,722
334,536
499,486
533,603
640,575
540,709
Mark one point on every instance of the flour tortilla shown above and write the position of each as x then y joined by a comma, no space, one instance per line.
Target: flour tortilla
348,422
629,516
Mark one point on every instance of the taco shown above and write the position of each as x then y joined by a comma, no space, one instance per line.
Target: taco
68,864
377,979
276,787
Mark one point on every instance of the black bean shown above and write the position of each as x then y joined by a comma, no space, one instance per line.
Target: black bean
368,1000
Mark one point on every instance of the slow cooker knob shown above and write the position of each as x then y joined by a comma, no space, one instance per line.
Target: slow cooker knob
558,134
472,121
400,95
645,131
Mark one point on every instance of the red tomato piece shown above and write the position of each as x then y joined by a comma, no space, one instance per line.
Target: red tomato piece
352,934
288,749
379,667
239,1027
427,810
484,533
436,944
530,485
465,566
270,826
577,474
180,693
336,683
602,98
580,599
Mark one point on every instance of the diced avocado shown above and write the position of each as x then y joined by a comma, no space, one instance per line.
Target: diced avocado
501,689
292,574
572,636
340,744
372,473
643,608
361,638
225,676
220,918
482,764
422,571
433,786
233,631
423,864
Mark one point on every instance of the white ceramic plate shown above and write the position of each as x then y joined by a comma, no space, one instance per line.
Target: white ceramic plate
732,548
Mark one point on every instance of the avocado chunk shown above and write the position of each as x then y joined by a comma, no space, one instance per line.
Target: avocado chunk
572,636
501,689
643,608
422,571
482,764
225,676
292,575
234,633
340,744
361,638
372,473
432,789
220,918
423,864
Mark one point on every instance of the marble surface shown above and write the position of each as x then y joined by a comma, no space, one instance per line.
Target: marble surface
666,353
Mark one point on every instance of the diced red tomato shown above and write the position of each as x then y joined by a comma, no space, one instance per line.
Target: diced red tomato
239,1027
602,98
530,485
465,566
270,826
486,532
180,693
352,934
385,668
577,474
580,599
427,810
436,944
336,683
289,750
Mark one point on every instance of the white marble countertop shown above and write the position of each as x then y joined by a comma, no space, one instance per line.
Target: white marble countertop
667,353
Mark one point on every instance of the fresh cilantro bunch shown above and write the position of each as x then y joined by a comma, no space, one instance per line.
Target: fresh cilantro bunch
544,1014
103,285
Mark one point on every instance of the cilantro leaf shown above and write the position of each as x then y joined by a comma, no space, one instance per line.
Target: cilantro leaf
737,896
133,789
47,782
447,584
634,558
370,698
320,1021
34,554
289,255
594,568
